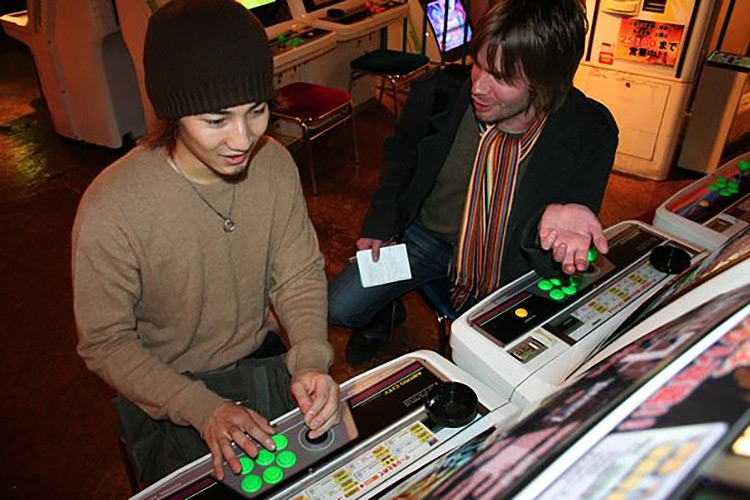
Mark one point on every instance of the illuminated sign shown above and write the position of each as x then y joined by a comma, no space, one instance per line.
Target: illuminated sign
649,42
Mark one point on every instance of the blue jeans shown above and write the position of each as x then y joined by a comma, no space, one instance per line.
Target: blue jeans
350,305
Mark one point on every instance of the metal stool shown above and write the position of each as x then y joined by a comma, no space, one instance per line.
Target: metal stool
436,294
316,109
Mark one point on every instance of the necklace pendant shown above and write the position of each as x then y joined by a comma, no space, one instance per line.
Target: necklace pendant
229,225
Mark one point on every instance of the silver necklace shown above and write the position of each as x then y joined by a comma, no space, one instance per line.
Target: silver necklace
229,224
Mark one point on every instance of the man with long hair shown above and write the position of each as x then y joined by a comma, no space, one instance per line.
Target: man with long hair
490,176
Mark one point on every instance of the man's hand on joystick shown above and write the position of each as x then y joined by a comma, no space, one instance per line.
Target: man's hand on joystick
317,395
568,230
231,422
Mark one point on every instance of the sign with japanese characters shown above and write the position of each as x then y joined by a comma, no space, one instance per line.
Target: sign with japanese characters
649,42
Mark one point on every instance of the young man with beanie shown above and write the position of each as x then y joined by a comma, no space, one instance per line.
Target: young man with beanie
187,249
490,176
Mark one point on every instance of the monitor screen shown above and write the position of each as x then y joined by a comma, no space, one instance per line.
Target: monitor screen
269,12
313,5
458,32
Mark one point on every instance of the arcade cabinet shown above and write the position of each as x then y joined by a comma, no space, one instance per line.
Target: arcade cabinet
524,339
712,209
662,412
85,74
665,417
395,419
720,121
359,27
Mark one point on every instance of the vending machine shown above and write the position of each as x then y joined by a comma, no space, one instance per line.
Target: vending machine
641,61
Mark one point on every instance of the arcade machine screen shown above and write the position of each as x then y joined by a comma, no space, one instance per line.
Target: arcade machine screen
313,5
458,32
648,421
269,12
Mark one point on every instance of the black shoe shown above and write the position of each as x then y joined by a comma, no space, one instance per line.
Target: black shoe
361,348
364,344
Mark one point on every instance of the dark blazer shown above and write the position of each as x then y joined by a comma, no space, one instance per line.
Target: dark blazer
570,163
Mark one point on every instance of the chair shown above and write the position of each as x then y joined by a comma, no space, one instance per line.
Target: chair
399,68
436,294
316,109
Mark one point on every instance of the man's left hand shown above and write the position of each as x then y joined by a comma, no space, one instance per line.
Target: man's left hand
317,395
569,230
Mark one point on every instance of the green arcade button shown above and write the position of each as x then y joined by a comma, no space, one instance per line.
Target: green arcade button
744,165
247,465
286,459
273,475
555,282
281,441
545,285
251,483
557,294
713,187
265,457
592,255
721,181
574,281
569,290
725,192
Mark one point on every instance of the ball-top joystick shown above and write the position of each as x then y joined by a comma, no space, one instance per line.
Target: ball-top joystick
451,404
669,259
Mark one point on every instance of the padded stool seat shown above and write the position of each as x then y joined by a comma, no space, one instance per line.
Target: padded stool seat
389,62
308,101
316,109
399,68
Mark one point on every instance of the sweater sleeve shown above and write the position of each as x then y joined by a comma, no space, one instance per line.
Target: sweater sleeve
106,286
298,287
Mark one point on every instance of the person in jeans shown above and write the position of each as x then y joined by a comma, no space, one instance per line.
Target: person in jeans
489,176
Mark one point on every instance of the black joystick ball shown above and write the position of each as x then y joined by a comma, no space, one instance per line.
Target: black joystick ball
669,259
451,404
316,440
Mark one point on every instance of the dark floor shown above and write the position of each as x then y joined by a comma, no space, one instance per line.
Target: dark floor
58,434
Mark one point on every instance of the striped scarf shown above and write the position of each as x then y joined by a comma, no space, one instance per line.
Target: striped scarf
489,199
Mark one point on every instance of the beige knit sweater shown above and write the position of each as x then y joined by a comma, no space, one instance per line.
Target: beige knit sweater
160,288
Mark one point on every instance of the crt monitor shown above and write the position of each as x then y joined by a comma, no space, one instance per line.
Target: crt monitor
269,12
313,5
451,27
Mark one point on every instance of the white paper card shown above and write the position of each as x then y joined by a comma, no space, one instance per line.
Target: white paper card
393,265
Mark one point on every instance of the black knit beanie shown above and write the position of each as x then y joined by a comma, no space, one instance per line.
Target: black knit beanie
205,55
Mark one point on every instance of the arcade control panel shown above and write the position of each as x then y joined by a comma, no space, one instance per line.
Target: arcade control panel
389,421
537,330
711,209
295,452
360,12
292,39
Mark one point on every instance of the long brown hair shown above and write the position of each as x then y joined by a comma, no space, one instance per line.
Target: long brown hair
541,40
162,133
